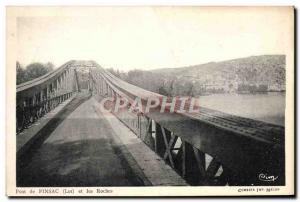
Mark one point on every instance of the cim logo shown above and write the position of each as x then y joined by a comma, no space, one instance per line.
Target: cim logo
267,178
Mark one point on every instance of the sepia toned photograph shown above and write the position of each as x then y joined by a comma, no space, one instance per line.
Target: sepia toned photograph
150,101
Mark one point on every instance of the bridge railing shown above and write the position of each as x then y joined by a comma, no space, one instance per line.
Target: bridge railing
207,148
37,97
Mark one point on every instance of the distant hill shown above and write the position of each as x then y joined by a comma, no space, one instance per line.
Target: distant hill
251,74
255,74
267,60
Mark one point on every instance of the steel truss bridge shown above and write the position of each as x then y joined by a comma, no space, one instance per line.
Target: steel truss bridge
207,148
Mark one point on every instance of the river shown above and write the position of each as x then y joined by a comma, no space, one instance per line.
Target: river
268,107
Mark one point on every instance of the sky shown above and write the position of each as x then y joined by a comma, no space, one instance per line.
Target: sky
128,38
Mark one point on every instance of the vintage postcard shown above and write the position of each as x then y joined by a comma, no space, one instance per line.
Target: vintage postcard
150,101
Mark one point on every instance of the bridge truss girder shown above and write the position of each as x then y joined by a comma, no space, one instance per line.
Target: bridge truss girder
39,96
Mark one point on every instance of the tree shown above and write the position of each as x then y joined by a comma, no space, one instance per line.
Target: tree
35,70
20,73
49,66
32,71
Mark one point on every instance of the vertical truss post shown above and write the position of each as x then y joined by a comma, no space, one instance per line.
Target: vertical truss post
160,145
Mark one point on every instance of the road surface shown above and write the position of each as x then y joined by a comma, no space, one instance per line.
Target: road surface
80,151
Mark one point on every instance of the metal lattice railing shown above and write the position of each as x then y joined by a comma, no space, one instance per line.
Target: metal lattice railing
37,97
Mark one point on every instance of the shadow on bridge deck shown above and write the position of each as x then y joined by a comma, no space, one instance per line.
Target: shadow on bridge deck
76,148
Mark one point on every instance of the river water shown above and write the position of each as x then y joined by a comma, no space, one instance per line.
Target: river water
268,107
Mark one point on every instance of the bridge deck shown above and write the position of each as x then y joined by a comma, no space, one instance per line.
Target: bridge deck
81,151
26,136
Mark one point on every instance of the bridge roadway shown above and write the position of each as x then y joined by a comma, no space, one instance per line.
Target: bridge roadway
81,151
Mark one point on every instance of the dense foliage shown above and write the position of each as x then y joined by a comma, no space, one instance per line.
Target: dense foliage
32,71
